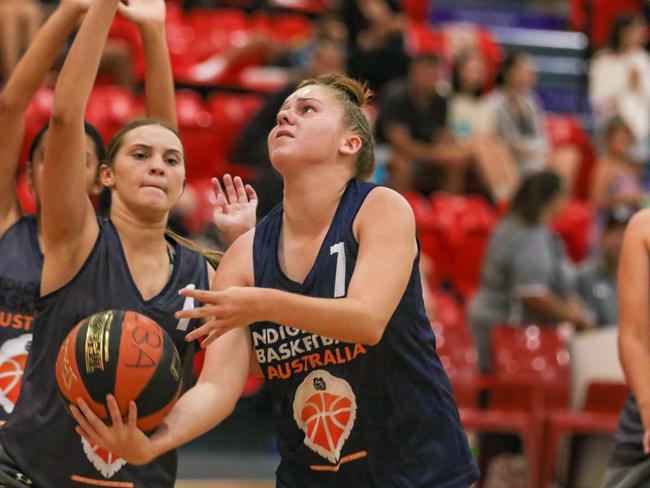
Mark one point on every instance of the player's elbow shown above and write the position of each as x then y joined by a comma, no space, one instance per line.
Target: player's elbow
374,332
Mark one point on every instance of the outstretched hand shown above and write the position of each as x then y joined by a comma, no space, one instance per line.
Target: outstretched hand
225,310
235,208
142,11
123,439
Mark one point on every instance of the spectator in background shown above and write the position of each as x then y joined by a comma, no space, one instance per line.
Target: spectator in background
520,121
526,276
251,148
19,23
471,120
616,180
377,53
596,278
413,121
619,80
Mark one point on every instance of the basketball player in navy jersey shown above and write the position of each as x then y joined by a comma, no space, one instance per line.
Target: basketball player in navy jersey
91,265
629,463
324,296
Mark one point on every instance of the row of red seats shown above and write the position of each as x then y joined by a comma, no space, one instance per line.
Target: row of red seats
198,38
207,128
528,392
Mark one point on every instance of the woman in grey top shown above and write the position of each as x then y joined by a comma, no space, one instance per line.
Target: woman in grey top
526,276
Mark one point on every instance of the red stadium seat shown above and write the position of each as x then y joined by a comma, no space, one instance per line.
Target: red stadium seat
574,226
109,109
562,130
515,406
599,415
197,130
231,113
37,115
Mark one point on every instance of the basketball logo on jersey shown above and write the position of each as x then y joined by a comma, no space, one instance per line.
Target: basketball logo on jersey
105,462
325,408
13,356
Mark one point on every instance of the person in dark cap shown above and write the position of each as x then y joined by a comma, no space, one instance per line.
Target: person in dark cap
596,278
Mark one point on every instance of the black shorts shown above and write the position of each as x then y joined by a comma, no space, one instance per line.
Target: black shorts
10,475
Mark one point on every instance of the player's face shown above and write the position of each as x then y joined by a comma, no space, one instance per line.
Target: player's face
91,168
148,172
310,128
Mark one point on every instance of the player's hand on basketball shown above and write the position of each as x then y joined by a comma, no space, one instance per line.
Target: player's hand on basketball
143,11
122,438
235,207
225,310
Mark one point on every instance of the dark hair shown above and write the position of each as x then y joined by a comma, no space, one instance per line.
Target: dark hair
509,62
456,76
615,123
90,130
534,193
618,216
354,96
213,257
622,22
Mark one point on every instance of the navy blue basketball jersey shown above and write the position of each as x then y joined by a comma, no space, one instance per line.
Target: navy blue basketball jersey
628,447
39,436
355,415
21,262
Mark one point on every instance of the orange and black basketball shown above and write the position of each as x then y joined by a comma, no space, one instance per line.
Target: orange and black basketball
123,353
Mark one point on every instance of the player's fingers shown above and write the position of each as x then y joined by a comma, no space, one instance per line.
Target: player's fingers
114,411
242,197
84,422
230,188
252,194
133,415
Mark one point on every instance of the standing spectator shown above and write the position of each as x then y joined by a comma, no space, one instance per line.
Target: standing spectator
526,276
596,279
471,120
412,120
520,121
619,80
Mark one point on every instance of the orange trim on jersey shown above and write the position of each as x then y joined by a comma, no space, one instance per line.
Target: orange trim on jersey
95,482
346,459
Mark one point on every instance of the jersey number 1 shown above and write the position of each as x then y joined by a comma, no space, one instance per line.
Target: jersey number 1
339,280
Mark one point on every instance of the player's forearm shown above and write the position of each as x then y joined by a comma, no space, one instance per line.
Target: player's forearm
200,409
80,69
32,68
636,363
159,81
343,319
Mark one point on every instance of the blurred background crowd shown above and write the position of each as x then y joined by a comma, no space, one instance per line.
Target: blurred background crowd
519,131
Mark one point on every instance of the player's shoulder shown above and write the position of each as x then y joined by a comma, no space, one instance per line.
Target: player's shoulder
382,199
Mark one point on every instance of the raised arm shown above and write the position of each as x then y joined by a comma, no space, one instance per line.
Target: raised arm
149,16
69,224
385,228
19,90
634,315
206,404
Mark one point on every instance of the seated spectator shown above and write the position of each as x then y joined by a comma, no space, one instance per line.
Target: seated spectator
471,121
616,179
527,276
413,121
596,278
251,148
19,22
619,81
520,122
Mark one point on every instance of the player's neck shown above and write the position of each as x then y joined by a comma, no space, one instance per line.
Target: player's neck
137,234
311,202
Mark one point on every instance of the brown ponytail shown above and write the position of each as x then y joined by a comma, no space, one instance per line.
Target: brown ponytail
213,257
